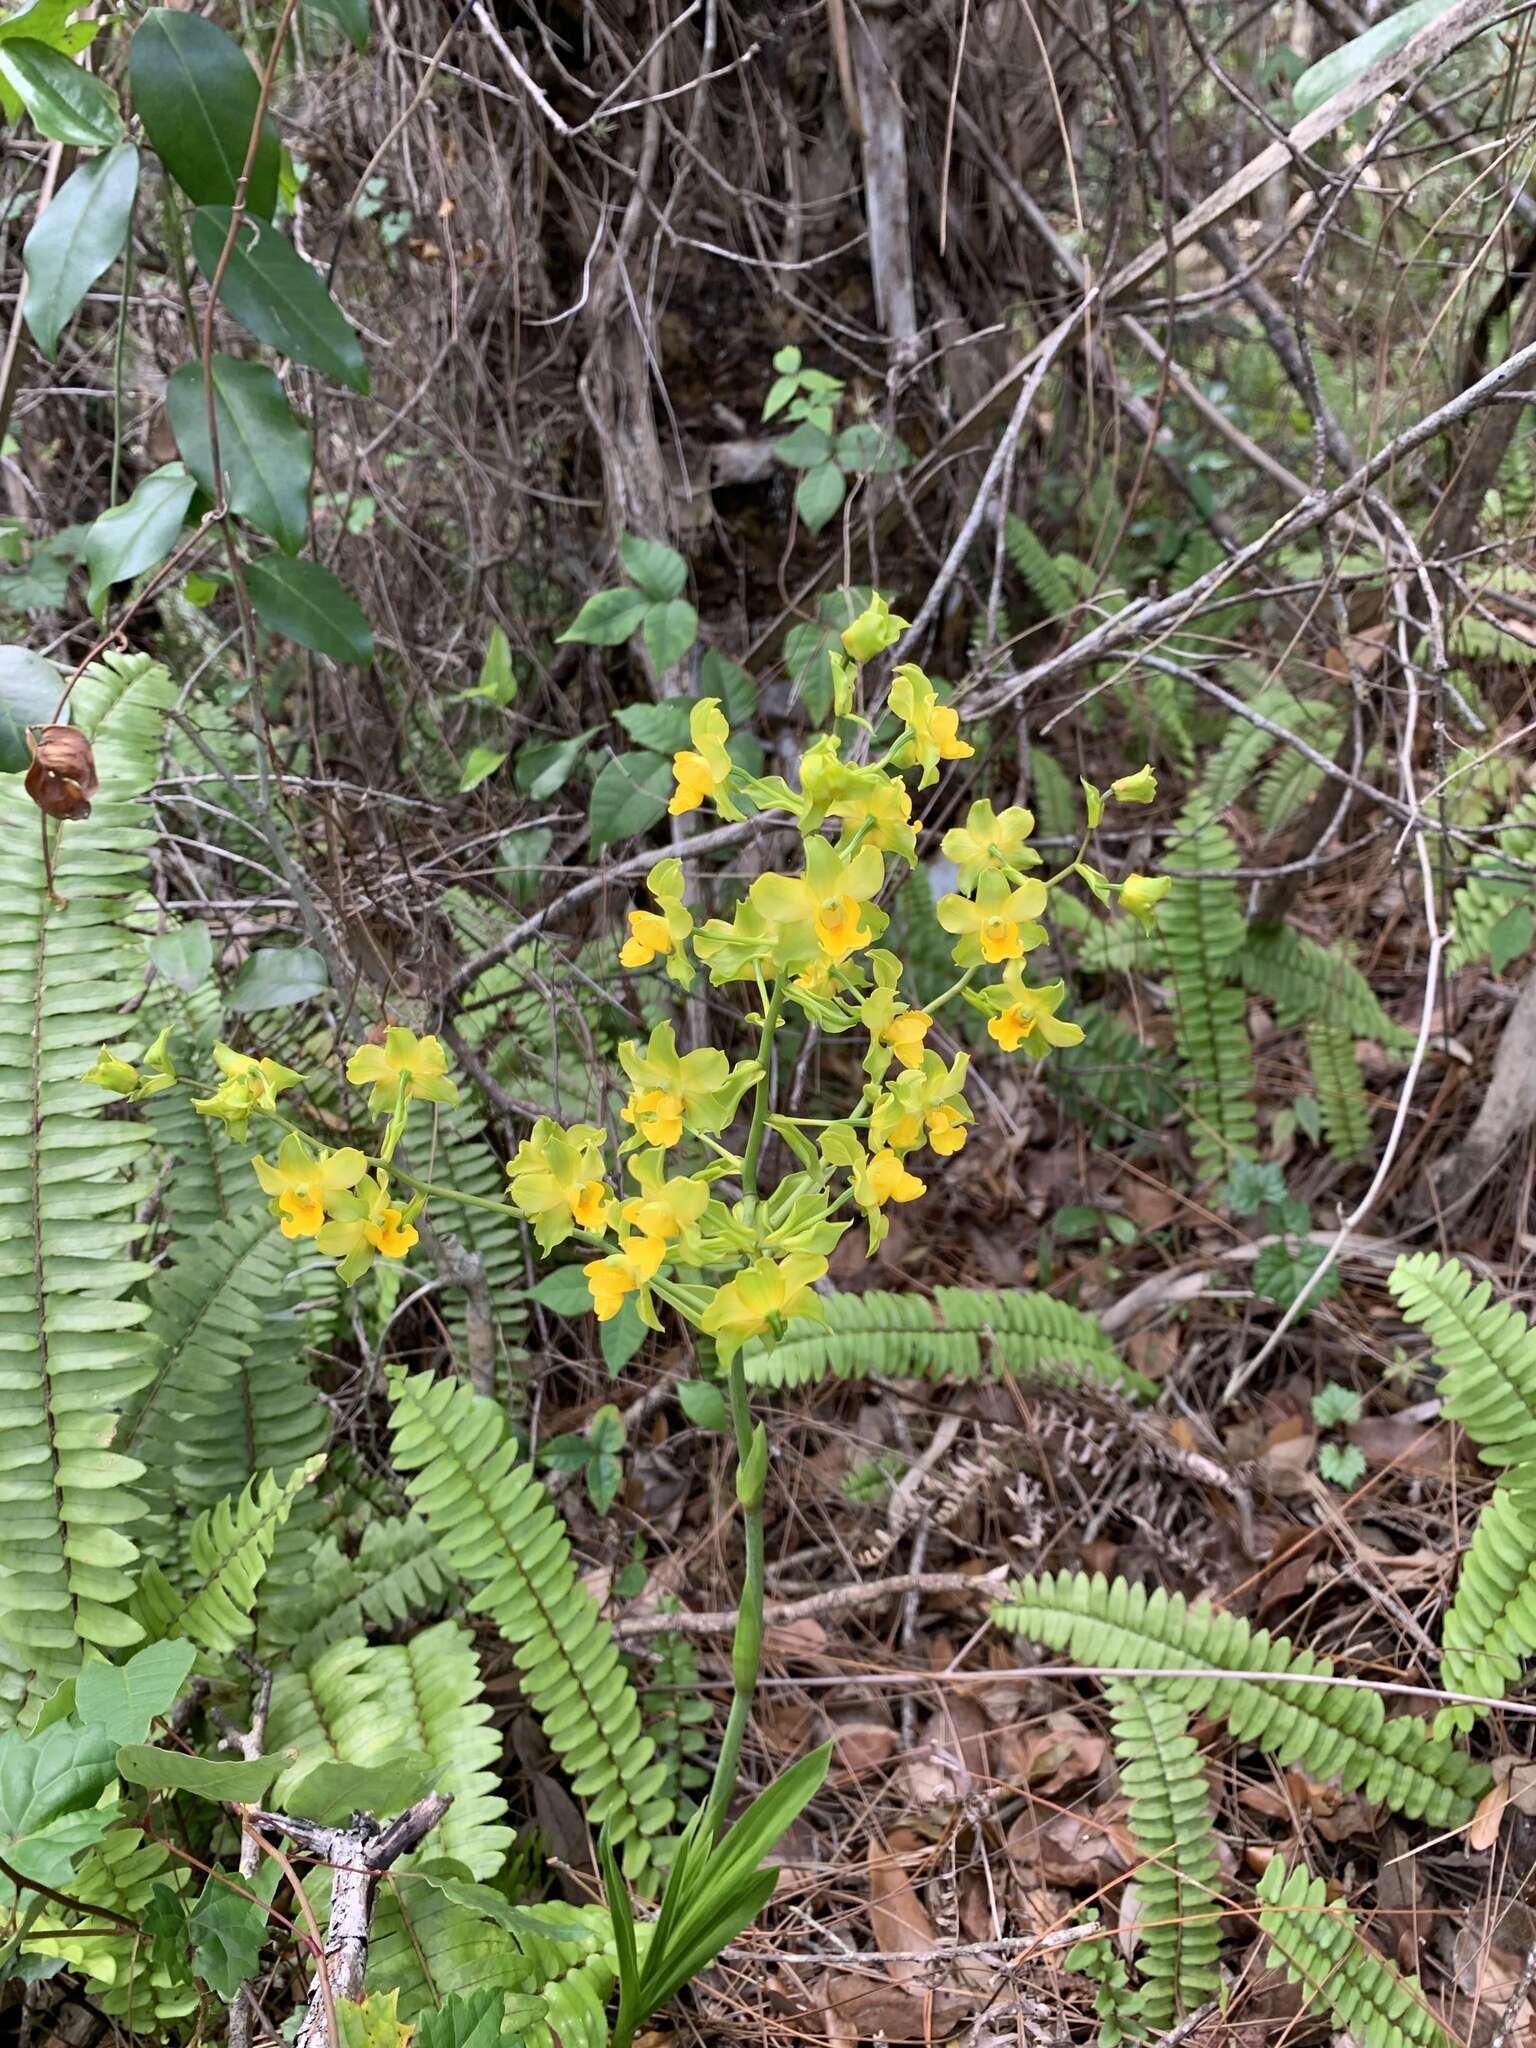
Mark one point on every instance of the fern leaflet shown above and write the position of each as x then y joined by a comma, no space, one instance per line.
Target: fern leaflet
1486,1349
502,1534
1180,1883
955,1336
1318,1947
1202,930
1341,1092
1340,1731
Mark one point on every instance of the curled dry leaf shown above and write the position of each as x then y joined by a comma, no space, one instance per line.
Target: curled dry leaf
62,778
898,1919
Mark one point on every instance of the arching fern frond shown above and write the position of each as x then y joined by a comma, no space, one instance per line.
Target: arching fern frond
72,1351
1202,930
1493,885
1038,566
1179,1922
426,1695
1291,781
1485,1348
428,1945
1489,1631
464,1159
1319,1948
1340,1731
1233,763
310,1707
228,1550
1304,980
1341,1092
501,1532
121,1874
398,1574
957,1335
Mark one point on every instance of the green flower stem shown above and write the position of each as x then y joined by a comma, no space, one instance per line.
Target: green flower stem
954,989
747,1647
759,1122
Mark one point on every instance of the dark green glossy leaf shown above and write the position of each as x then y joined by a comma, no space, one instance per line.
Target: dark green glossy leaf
660,571
168,1770
184,955
197,96
330,1790
278,297
29,690
123,1699
263,450
66,104
227,1931
352,15
76,240
663,727
631,792
608,618
276,977
305,602
138,534
819,493
670,630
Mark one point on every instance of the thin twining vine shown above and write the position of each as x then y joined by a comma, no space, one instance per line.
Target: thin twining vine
736,1261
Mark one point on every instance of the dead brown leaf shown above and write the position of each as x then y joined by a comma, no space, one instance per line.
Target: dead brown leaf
898,1919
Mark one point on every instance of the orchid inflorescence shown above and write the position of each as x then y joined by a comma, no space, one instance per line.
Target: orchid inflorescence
695,1232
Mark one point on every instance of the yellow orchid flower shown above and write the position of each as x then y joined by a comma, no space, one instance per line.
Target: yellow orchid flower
702,773
932,728
663,1208
114,1074
999,925
827,911
876,628
886,1179
1140,788
873,806
248,1085
990,839
1027,1016
556,1180
673,1092
303,1184
364,1225
663,933
625,1271
1141,894
767,1291
926,1102
420,1062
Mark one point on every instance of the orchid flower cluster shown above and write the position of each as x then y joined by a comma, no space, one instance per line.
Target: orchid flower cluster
683,1222
686,1225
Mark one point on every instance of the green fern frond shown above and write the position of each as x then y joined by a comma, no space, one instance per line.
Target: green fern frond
1340,1089
1244,747
203,1305
464,1159
1489,1632
1304,980
1038,567
1292,780
957,1335
71,1340
228,1550
1339,1731
121,1874
1055,798
1202,930
428,1946
1179,1922
1493,886
399,1574
209,1180
1319,1948
500,1530
1120,945
1098,1957
676,1716
1117,1090
1485,1348
311,1706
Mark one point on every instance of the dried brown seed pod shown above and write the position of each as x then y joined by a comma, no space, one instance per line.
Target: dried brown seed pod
62,779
